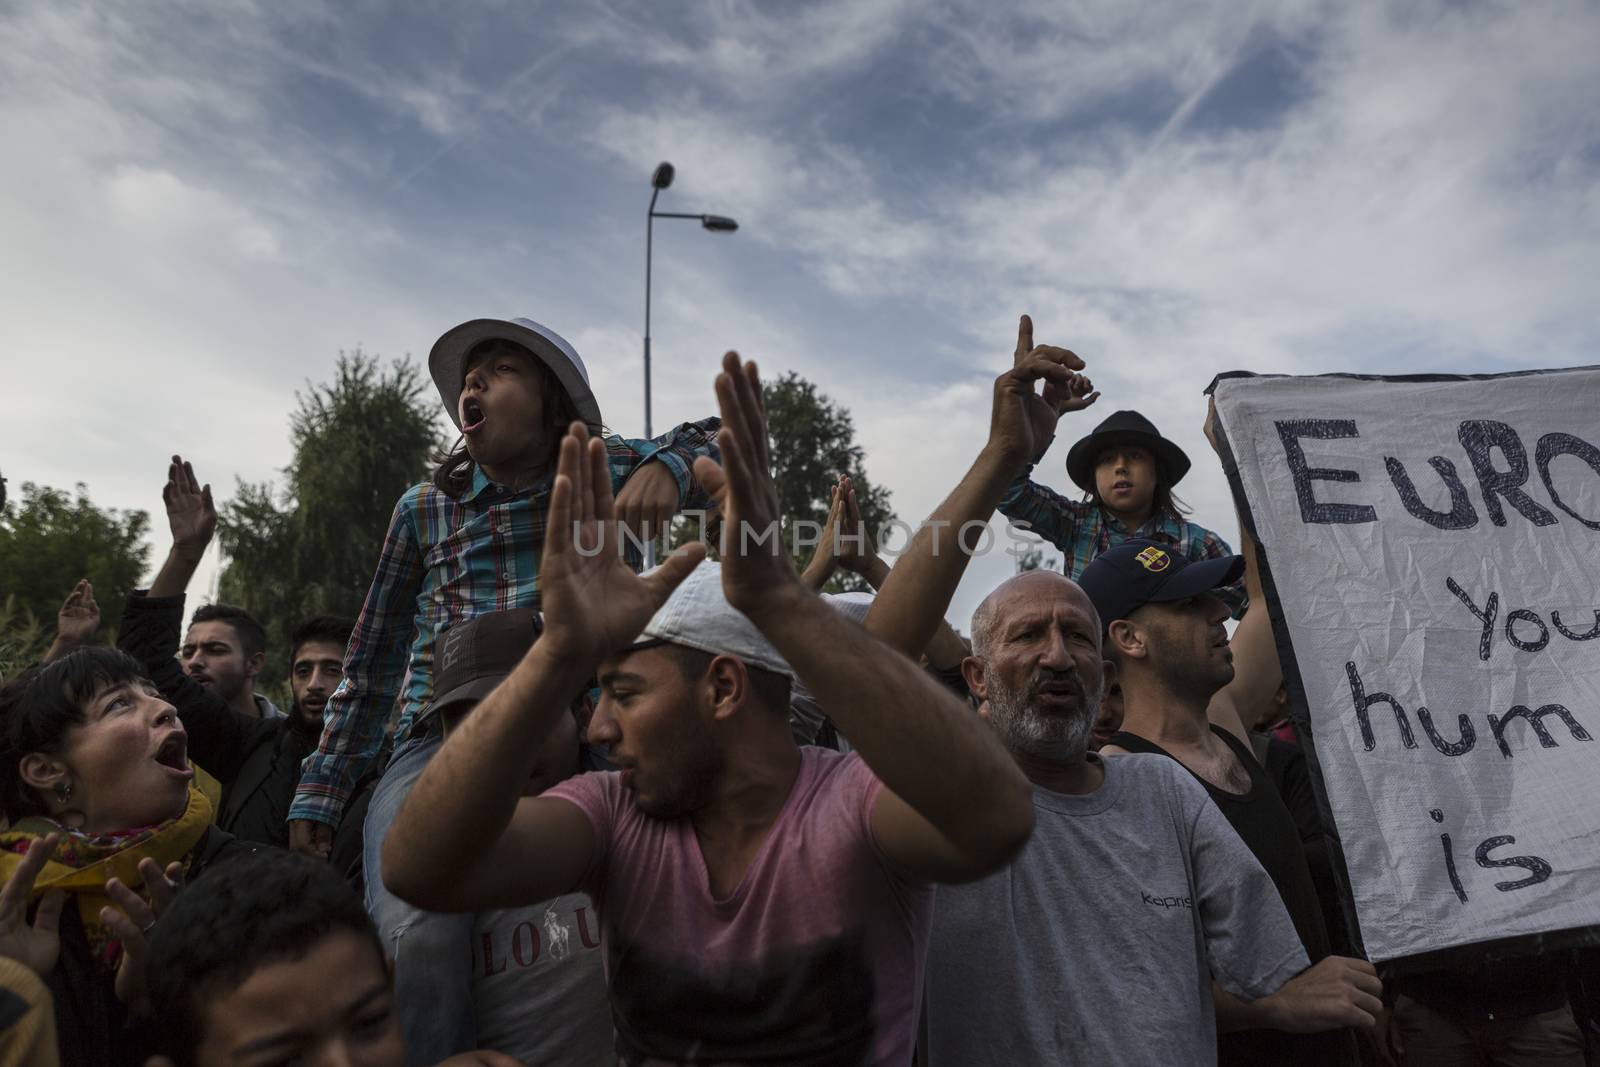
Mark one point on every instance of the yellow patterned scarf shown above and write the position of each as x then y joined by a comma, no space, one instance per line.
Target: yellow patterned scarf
83,863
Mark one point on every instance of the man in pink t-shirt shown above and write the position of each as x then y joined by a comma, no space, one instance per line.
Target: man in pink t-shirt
758,902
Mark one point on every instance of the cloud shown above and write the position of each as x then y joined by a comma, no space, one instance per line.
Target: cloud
203,205
750,50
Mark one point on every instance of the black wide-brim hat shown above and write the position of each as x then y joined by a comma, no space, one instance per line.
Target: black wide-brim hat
1125,428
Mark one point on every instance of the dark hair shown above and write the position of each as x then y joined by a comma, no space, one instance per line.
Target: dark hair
327,629
42,705
237,917
771,689
252,638
1163,500
453,475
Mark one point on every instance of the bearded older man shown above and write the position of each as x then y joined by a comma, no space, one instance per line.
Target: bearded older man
1099,942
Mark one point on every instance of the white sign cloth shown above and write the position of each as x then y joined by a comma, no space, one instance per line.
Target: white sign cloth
1435,547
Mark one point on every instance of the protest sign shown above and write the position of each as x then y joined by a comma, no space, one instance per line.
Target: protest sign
1434,551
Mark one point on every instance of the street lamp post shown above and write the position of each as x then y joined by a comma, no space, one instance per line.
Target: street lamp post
660,180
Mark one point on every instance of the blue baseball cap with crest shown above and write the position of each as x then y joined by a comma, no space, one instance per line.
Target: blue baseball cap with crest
1124,579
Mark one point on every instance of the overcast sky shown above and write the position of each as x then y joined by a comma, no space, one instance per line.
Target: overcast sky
203,203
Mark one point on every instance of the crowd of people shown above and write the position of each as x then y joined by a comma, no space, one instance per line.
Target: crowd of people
538,804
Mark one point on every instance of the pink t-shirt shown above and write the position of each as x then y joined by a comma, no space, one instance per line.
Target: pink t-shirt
815,958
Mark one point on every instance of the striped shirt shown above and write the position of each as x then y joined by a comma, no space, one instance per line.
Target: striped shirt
445,560
1082,530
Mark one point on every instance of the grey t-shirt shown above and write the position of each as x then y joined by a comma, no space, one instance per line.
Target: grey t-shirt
539,985
1099,943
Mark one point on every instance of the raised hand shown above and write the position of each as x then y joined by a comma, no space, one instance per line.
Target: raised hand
1211,422
131,918
36,946
855,549
190,510
593,602
79,616
1022,420
1059,396
756,573
824,558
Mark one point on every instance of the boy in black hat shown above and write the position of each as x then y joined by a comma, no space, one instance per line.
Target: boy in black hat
1127,471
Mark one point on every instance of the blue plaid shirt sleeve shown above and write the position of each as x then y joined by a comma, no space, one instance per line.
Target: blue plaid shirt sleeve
1045,512
375,666
678,450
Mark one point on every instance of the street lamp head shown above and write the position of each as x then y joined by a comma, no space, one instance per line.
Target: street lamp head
663,175
718,223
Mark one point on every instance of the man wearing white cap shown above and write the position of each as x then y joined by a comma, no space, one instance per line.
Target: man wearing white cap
462,545
758,902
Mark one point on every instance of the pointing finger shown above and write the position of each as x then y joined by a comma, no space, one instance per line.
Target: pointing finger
1024,339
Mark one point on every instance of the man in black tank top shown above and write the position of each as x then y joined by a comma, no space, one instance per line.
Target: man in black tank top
1164,631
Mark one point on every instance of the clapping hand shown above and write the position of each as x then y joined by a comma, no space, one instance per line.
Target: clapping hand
594,604
35,945
756,573
848,532
843,542
132,917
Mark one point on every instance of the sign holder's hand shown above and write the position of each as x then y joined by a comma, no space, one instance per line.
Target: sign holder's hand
36,946
594,604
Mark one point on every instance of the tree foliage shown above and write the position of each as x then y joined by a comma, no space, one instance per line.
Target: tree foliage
310,548
1035,559
48,540
812,443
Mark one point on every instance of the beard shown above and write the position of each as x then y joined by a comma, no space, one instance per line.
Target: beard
685,776
1025,729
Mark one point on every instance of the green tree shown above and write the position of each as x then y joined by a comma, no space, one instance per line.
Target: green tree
310,548
813,442
1034,559
48,540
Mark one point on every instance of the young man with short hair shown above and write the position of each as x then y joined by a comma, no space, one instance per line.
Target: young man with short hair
272,959
224,651
758,901
316,666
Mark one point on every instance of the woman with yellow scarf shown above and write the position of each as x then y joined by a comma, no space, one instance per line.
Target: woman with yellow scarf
94,772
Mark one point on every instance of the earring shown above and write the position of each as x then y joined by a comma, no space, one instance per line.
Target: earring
63,791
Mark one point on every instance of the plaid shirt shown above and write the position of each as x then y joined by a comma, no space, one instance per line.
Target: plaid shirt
1082,530
445,560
